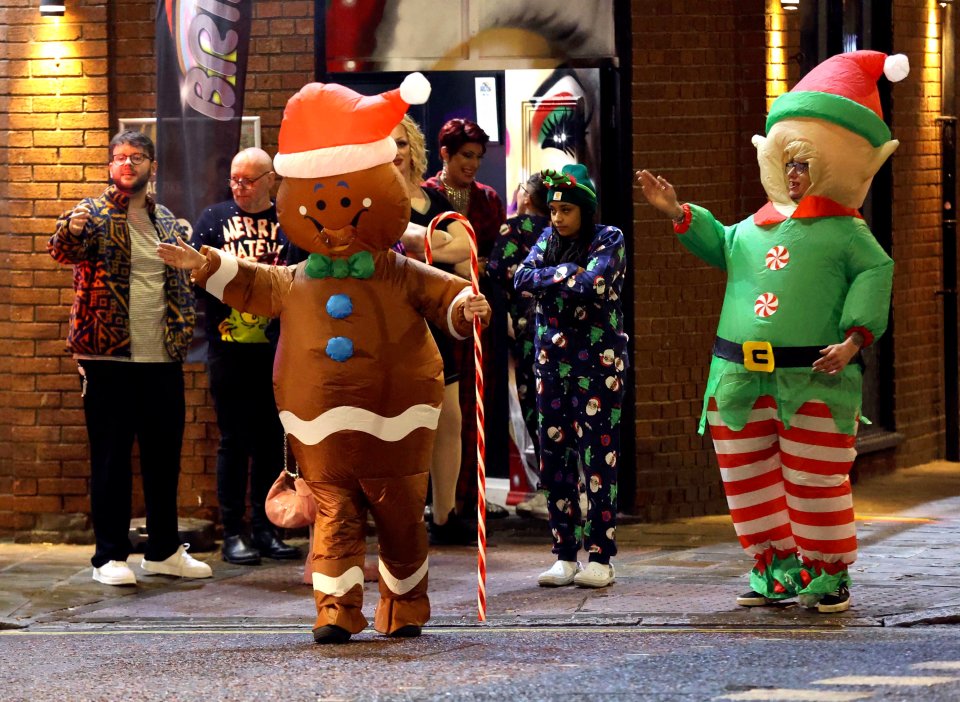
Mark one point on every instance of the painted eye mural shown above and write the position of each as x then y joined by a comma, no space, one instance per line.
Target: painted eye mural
555,121
557,124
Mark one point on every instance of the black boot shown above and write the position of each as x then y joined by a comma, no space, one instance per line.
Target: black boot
455,532
270,546
330,634
406,632
236,550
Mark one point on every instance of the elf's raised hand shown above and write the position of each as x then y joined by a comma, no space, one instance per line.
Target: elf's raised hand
659,193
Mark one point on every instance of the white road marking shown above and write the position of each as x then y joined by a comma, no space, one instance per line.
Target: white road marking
889,680
788,695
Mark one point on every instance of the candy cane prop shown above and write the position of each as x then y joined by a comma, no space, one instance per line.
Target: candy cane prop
478,362
428,237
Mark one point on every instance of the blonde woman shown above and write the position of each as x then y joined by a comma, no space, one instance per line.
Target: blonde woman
450,245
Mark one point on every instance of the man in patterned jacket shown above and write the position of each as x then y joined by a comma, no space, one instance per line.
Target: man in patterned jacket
130,327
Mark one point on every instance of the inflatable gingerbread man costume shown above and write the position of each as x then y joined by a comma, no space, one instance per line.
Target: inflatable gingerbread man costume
358,378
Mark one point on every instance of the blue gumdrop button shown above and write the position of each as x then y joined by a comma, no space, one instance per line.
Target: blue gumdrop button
340,348
339,306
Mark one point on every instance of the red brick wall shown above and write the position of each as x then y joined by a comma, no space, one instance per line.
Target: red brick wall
698,97
696,102
699,93
53,107
917,311
54,154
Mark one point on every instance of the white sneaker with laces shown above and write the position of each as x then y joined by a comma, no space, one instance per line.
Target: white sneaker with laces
114,573
535,507
180,564
595,575
561,573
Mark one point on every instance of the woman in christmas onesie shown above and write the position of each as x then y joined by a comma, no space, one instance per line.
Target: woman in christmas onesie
808,286
576,273
358,378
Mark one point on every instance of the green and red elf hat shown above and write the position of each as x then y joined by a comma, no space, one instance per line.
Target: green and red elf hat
843,90
572,184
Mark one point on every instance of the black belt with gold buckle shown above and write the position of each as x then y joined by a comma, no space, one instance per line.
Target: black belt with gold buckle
762,356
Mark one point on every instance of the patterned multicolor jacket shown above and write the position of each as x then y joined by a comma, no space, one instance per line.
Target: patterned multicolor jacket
100,254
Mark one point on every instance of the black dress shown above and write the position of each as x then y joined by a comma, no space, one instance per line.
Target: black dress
437,204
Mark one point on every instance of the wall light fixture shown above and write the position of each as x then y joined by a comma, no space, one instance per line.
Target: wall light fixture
52,8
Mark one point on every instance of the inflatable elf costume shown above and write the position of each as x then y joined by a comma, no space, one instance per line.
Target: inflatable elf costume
807,286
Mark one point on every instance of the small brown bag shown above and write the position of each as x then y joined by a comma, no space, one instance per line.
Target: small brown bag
290,503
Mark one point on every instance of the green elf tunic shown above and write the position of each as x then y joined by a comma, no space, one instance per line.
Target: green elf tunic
808,280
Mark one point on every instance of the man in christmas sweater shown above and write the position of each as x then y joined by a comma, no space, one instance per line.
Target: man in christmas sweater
808,286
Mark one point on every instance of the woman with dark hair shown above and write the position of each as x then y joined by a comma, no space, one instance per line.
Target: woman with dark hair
576,272
463,145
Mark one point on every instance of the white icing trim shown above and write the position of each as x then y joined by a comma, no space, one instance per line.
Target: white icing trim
402,587
453,305
227,271
339,586
358,419
333,160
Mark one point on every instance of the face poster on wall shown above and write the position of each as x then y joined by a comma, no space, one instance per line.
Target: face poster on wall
551,120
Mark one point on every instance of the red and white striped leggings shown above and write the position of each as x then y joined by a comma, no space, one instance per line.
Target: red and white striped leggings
789,489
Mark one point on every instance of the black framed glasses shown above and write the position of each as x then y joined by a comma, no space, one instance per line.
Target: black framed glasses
800,168
244,183
136,159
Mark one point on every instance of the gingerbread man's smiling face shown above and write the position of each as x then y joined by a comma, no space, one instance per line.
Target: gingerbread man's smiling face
340,215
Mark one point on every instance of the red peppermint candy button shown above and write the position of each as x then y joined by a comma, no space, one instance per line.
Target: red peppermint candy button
777,257
766,305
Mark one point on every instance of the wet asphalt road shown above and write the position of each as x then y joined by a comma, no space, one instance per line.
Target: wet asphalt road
488,663
669,629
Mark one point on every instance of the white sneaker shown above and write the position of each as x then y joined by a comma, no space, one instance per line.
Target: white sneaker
595,575
535,507
114,573
181,564
561,573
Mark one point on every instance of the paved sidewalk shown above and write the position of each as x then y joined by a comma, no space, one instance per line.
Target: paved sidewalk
684,573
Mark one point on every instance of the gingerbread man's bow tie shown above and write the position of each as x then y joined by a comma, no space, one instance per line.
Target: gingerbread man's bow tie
359,265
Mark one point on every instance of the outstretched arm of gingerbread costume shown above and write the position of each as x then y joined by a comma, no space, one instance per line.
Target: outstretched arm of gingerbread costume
444,299
246,286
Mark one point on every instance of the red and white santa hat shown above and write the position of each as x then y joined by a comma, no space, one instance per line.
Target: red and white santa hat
329,129
843,90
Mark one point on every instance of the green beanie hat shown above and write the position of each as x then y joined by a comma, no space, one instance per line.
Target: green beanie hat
573,185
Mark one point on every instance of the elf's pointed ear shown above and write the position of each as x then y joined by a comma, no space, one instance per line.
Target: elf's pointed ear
885,152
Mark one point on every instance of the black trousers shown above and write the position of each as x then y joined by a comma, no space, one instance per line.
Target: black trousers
125,401
251,436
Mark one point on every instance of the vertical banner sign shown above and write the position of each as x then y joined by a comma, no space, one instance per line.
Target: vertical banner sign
202,48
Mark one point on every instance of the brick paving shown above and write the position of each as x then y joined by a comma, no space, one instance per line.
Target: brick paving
682,573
